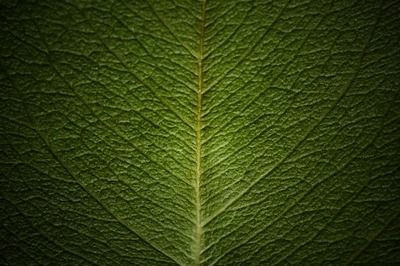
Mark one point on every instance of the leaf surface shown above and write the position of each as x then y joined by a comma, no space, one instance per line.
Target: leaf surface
199,133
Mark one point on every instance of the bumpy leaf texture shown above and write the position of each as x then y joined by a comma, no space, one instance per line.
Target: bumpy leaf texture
199,133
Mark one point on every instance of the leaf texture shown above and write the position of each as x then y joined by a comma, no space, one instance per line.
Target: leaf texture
199,132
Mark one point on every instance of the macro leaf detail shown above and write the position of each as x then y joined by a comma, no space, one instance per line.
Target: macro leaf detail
200,132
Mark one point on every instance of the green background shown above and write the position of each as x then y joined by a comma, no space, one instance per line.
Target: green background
191,132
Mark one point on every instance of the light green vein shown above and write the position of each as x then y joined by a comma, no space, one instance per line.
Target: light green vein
198,230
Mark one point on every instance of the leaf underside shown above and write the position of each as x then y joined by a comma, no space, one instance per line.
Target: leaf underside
199,133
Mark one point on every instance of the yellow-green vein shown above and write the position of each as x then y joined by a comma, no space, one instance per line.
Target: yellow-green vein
198,231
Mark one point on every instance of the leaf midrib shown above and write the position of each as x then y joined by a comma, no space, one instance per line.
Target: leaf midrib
198,230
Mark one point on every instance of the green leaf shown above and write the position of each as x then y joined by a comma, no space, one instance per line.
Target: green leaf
190,132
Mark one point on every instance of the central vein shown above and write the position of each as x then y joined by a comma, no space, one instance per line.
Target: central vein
197,245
